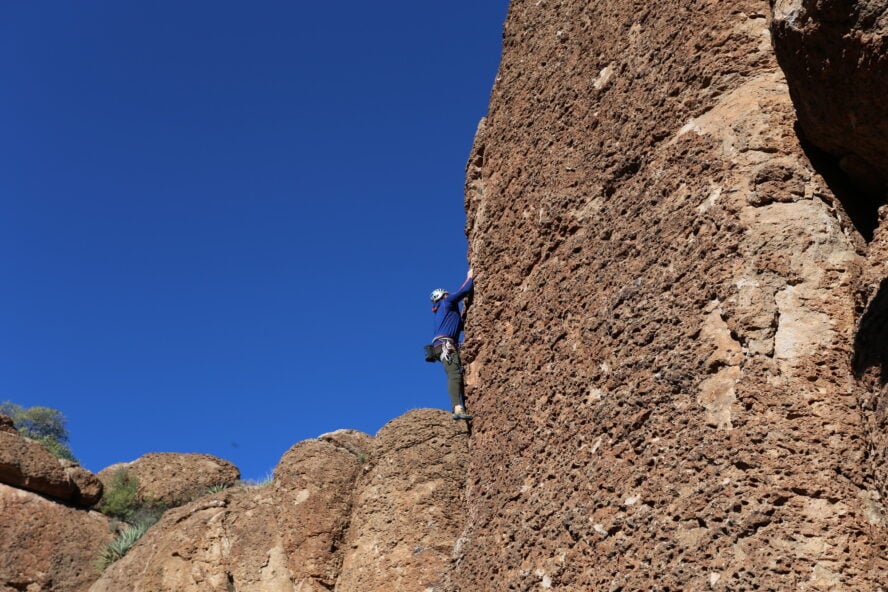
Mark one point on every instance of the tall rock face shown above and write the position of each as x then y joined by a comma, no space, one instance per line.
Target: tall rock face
666,311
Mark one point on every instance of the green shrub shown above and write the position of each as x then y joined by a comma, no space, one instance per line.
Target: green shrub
147,513
42,424
119,500
120,545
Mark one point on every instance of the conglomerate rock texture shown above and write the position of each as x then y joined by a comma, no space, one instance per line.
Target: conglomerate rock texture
835,57
677,346
174,478
344,512
46,546
408,507
666,311
27,464
265,538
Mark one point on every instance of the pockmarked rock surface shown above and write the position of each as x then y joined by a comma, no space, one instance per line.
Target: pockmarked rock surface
835,57
409,507
296,533
88,487
275,537
47,546
27,464
667,302
174,478
358,443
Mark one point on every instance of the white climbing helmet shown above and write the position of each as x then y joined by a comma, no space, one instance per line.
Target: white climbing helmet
438,294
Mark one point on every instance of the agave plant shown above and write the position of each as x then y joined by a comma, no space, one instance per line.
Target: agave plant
117,548
217,488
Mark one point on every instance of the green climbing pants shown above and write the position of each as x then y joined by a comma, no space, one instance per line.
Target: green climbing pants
453,368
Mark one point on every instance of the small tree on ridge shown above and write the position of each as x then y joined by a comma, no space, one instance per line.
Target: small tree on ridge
42,424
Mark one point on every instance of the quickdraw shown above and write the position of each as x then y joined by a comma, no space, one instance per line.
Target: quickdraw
447,348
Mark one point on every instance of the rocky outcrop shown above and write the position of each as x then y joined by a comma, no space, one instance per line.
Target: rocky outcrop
358,443
280,536
29,465
664,320
298,533
835,59
88,489
47,546
7,424
409,508
836,63
175,478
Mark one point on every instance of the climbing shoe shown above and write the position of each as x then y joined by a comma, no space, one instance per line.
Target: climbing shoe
460,413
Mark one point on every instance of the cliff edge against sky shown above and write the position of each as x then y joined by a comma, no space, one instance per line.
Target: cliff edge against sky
668,296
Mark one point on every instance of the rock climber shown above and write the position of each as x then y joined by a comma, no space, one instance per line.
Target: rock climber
448,325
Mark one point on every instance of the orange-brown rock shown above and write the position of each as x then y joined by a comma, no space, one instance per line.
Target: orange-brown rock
835,59
344,512
282,536
836,63
27,464
358,443
677,347
88,487
664,318
315,481
175,478
47,546
409,508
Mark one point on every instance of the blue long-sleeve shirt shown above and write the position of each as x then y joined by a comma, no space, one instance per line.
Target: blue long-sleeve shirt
448,320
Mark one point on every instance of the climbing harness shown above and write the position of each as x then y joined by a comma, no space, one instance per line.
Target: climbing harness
447,347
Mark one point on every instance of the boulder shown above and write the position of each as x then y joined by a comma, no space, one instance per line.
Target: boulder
47,546
277,537
27,464
343,512
89,488
409,506
175,478
314,483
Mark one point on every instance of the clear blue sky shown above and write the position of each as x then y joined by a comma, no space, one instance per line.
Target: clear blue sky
220,221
